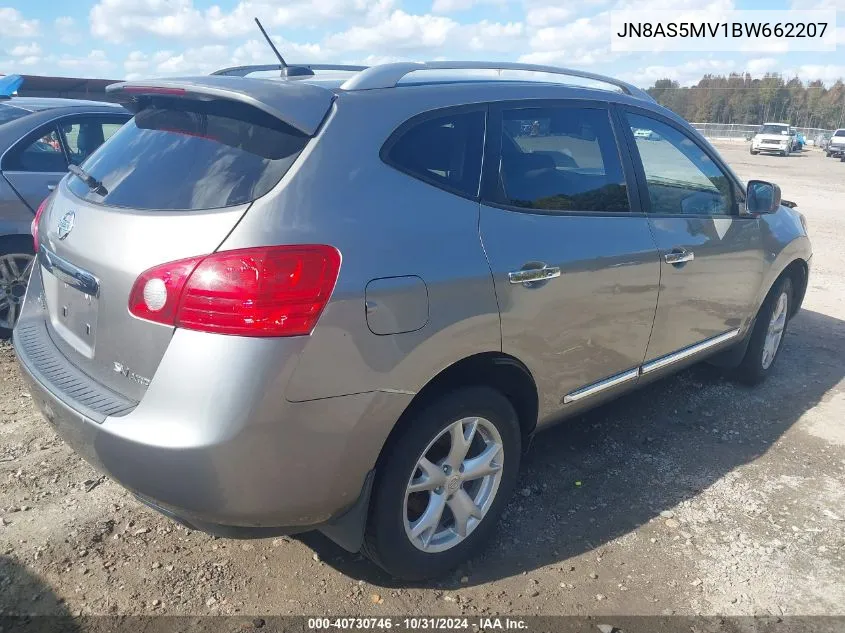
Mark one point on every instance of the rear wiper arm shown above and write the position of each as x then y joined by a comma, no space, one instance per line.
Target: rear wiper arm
93,184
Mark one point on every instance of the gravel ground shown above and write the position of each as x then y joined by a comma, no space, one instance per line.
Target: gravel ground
697,496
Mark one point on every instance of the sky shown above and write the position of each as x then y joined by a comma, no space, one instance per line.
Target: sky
127,39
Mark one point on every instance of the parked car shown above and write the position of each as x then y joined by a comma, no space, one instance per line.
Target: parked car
836,146
822,140
648,135
268,307
39,138
775,138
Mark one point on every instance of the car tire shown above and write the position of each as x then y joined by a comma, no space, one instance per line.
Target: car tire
754,152
763,351
396,512
16,257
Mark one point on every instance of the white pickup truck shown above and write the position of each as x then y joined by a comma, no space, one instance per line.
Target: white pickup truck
836,146
776,138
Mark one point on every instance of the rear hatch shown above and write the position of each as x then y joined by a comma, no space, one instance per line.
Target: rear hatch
170,185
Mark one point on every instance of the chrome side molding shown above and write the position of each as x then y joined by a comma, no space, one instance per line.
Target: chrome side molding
692,350
601,385
659,363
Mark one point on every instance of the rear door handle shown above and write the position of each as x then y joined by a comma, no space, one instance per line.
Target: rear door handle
679,256
529,275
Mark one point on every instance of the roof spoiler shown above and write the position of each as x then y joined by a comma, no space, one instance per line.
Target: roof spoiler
300,105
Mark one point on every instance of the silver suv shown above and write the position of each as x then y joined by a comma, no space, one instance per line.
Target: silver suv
275,305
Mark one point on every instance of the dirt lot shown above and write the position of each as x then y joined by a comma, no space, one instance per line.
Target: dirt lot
696,496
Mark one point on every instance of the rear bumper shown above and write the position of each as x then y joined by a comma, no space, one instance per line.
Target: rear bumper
229,456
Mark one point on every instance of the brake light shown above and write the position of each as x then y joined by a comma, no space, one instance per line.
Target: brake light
153,90
265,291
33,228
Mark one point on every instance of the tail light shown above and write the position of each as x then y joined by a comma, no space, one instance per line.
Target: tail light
265,291
33,228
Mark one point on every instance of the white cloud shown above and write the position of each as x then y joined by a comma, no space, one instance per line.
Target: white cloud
118,20
67,30
547,16
400,32
453,6
94,62
15,25
828,73
686,74
760,65
25,50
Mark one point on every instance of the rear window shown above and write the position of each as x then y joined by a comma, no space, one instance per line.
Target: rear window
10,113
190,156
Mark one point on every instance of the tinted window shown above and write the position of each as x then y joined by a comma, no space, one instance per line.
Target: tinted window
839,133
84,135
562,159
445,151
42,154
196,155
10,113
681,177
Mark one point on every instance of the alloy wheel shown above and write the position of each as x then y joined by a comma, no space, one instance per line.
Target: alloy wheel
453,484
14,276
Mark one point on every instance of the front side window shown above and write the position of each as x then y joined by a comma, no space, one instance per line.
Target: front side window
444,151
681,177
561,159
40,154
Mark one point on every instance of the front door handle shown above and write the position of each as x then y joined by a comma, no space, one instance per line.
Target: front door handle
51,187
679,256
530,275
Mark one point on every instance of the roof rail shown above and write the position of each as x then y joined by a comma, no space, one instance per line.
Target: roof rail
243,71
389,75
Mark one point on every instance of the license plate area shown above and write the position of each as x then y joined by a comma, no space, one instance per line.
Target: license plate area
72,297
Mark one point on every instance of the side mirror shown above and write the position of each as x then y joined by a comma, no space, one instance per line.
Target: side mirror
762,197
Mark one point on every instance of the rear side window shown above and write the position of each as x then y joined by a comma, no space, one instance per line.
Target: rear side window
190,156
561,159
444,151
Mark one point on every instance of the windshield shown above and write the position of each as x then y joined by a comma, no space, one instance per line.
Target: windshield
189,156
10,113
839,133
774,129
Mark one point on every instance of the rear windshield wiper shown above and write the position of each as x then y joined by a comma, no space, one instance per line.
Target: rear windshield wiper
93,184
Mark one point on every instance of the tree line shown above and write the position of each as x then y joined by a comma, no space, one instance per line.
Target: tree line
738,98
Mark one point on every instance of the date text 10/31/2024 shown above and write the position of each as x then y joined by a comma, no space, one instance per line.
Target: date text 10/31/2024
419,623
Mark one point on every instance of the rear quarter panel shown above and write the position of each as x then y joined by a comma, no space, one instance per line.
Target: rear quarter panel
385,224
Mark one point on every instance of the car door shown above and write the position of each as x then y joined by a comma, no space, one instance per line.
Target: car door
574,264
35,164
711,259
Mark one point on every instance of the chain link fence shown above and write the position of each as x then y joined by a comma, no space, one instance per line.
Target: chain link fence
743,132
